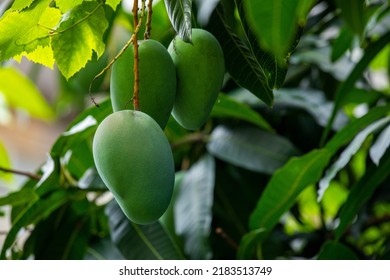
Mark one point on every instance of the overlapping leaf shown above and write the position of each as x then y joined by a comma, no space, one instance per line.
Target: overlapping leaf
240,62
180,13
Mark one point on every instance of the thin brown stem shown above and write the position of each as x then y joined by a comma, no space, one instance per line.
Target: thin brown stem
227,238
149,20
22,173
136,58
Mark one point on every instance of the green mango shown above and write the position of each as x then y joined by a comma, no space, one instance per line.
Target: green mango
157,81
200,69
135,161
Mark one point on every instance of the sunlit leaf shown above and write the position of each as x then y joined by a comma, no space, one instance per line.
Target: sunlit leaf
228,107
5,163
21,93
361,192
179,12
193,208
24,31
79,34
41,55
140,242
346,155
113,3
250,148
65,5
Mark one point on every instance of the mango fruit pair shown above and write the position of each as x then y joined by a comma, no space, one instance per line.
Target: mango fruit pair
131,153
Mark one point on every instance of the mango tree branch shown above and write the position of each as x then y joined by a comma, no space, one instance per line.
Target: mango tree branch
136,58
149,20
23,173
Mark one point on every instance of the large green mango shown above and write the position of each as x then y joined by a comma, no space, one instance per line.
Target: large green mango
200,69
157,81
135,161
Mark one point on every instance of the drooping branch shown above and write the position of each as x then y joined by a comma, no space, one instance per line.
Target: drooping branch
136,58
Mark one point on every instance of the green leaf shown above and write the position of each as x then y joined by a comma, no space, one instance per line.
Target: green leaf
341,44
240,61
354,14
193,208
79,34
249,242
380,146
287,182
140,242
332,250
19,5
285,186
24,196
66,5
250,148
21,93
33,213
274,69
348,85
180,13
275,24
361,192
228,107
24,31
4,162
347,154
113,3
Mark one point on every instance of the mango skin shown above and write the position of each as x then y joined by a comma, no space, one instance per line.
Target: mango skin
157,81
200,69
135,161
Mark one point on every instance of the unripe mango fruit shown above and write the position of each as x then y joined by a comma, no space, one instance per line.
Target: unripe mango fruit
200,69
135,161
157,81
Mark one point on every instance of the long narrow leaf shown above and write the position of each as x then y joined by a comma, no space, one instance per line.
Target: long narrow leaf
193,208
285,185
347,154
140,242
381,145
361,192
179,12
241,63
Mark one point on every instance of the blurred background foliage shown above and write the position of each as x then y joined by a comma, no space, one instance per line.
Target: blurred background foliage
293,163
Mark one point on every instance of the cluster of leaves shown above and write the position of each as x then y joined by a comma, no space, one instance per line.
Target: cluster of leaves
307,178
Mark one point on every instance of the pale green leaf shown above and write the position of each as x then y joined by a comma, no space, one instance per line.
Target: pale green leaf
26,30
66,5
4,162
19,5
380,146
193,208
113,3
180,13
41,55
79,34
21,93
347,154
